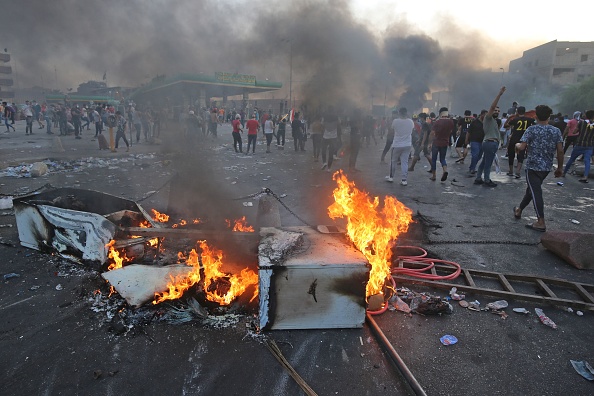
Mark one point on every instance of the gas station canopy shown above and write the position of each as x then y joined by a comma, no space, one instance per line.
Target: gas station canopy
218,85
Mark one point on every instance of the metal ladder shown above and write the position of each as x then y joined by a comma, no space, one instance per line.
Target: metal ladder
508,285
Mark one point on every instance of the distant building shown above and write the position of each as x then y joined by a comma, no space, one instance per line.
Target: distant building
555,64
6,82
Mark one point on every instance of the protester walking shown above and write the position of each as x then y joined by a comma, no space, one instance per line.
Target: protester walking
490,143
403,127
268,132
236,133
317,130
252,126
7,116
297,132
423,145
329,138
441,130
584,144
121,130
280,133
518,126
543,141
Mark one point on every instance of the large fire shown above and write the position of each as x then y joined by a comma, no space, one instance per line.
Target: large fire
372,229
210,262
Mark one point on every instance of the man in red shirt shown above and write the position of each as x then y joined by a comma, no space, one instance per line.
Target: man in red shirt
571,132
236,134
439,141
252,126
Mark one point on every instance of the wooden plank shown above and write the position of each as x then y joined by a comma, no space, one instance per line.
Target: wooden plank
506,285
184,232
497,293
468,278
543,286
583,293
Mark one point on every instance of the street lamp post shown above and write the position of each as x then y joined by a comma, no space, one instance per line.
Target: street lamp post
386,93
290,41
291,74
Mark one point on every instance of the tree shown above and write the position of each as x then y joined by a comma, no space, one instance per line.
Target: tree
578,97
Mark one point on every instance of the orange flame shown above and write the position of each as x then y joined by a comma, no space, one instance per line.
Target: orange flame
212,262
118,262
180,224
371,229
160,217
240,225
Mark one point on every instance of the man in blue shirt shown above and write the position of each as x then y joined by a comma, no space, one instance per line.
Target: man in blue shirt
543,142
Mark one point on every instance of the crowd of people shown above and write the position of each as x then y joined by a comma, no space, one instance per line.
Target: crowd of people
530,139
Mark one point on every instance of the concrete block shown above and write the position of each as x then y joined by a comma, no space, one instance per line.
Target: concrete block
38,169
573,247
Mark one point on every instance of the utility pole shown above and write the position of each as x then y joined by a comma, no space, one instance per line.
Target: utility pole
290,74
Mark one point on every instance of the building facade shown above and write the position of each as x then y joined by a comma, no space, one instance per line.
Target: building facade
555,64
6,81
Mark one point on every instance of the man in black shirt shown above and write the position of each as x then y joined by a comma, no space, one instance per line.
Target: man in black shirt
461,145
474,137
518,125
297,132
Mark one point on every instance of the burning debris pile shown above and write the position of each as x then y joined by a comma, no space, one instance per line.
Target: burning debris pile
304,278
144,258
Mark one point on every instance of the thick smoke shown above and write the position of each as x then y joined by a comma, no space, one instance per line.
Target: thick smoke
336,58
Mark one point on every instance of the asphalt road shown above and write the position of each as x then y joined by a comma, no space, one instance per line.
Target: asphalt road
56,336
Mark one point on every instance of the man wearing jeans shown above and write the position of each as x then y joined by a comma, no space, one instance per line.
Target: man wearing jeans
584,143
490,143
543,142
475,137
401,145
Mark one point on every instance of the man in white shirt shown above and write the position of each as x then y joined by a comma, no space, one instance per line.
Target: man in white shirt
401,145
268,132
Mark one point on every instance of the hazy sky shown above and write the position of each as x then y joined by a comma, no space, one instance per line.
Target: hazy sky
393,51
510,28
503,20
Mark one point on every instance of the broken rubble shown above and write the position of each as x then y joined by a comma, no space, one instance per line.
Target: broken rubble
138,283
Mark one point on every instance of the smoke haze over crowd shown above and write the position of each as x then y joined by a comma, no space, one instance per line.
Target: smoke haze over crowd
336,57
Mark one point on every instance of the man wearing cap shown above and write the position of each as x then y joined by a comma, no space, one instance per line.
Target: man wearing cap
403,127
490,143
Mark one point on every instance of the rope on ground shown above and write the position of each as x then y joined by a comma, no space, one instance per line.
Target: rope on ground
158,189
